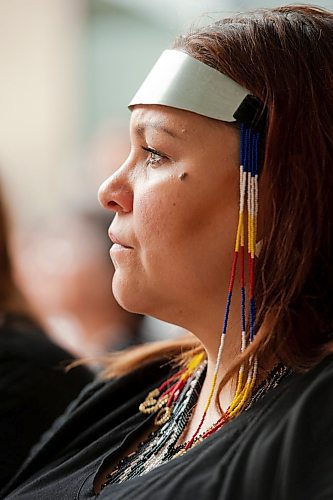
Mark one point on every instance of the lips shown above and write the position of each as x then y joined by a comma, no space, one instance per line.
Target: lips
118,241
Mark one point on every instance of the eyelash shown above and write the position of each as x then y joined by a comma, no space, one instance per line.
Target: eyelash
152,160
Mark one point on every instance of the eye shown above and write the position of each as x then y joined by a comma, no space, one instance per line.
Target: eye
154,158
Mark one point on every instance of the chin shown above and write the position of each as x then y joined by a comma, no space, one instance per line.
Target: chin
135,298
127,296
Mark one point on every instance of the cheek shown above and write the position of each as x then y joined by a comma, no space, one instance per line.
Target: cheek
178,210
174,217
157,212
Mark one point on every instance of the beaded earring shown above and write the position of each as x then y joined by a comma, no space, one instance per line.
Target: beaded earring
249,143
163,398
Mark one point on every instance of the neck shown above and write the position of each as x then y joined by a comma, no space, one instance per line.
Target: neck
231,349
210,335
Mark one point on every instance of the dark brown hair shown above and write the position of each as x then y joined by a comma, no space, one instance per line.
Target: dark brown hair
283,56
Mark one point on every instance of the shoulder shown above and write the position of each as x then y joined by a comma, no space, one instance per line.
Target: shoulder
307,438
316,384
302,402
312,393
282,446
299,411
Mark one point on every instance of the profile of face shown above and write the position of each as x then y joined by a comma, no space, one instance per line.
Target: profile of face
176,202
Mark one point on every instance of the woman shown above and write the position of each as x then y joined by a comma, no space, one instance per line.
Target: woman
34,386
246,414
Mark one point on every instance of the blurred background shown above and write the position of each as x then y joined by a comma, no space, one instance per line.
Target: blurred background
68,69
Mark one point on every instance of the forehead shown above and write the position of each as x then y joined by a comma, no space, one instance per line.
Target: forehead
175,122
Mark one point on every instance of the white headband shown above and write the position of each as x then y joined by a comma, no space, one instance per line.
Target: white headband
182,82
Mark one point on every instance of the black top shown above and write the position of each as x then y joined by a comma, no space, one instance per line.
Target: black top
281,448
34,389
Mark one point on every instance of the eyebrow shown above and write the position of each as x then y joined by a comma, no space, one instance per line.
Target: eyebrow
156,125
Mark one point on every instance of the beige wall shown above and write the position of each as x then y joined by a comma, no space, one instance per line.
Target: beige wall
39,98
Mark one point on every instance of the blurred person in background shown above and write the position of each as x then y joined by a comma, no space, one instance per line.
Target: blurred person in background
223,225
68,281
34,386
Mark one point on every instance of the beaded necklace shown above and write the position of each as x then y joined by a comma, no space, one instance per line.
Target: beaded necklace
162,445
156,449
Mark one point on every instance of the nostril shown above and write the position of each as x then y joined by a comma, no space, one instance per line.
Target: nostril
112,205
116,198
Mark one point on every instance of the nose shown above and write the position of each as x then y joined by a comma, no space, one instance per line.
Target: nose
115,193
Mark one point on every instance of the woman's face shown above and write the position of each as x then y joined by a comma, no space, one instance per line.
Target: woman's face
176,203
